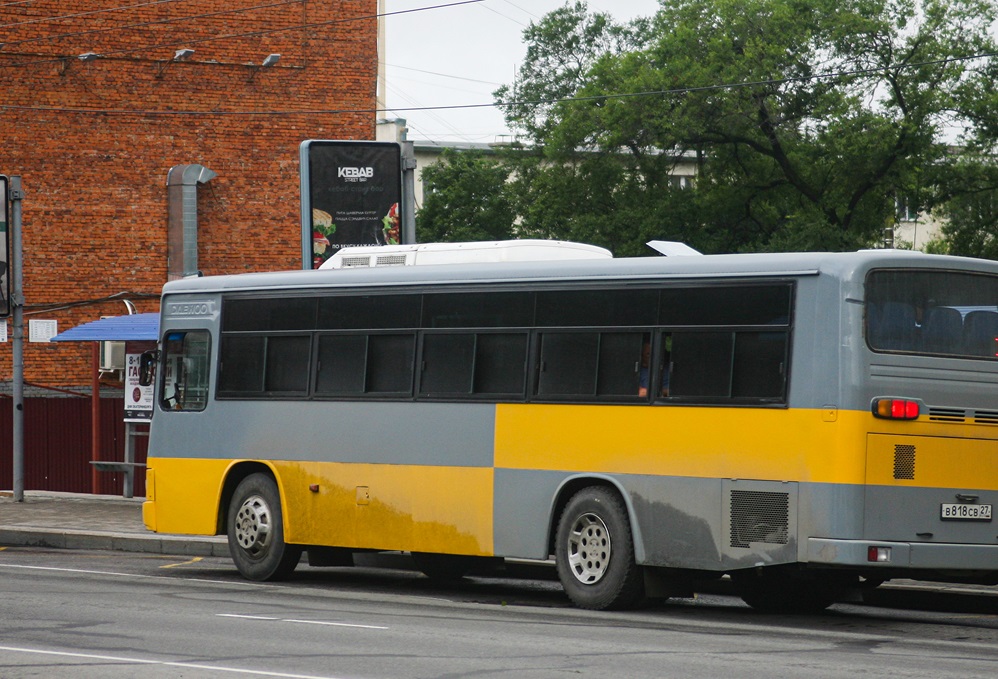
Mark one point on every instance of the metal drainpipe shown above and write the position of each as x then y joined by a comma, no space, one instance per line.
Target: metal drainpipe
182,228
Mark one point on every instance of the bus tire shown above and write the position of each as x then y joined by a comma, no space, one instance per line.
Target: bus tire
442,567
255,527
780,592
594,552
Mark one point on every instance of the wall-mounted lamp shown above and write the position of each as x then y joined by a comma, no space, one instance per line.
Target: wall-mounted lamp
180,55
269,61
65,61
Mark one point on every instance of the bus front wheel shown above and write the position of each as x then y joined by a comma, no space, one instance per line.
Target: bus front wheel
594,552
255,527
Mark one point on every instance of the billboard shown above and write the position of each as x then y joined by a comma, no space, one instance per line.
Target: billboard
350,193
4,249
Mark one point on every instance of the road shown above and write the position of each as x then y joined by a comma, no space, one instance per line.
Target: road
108,614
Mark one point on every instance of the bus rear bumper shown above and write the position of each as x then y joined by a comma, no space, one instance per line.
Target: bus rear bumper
893,555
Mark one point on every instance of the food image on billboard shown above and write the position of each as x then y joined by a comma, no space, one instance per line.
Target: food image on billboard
350,196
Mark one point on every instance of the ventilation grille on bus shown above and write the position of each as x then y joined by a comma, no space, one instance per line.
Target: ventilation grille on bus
960,415
904,462
758,516
348,262
391,260
947,414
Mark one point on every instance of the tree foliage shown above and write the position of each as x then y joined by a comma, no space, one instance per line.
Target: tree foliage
466,199
805,119
971,213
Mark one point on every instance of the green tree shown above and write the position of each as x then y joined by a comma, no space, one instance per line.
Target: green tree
966,189
971,223
466,198
806,118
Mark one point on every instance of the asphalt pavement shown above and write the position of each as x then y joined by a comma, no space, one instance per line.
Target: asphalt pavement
111,522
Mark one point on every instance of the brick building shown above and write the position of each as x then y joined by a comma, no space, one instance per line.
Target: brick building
98,104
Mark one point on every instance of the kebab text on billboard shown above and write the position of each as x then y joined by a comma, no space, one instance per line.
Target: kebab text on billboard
350,196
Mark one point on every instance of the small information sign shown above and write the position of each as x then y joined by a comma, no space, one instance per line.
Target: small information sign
138,398
42,330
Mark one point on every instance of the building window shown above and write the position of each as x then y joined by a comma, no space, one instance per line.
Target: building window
907,208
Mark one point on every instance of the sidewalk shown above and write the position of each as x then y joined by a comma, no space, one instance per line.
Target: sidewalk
81,521
110,522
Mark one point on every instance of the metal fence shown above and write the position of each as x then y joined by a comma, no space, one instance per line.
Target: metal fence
57,445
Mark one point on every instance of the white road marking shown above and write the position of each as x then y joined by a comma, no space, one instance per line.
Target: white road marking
164,578
164,663
334,624
300,622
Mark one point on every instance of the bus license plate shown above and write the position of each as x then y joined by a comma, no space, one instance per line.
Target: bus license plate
965,512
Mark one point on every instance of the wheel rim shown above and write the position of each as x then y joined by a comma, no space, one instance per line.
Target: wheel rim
589,549
253,526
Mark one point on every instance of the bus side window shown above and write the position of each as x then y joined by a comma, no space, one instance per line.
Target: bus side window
702,362
646,378
746,364
587,365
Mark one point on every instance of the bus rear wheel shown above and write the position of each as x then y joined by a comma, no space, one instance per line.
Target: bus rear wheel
255,527
444,567
776,591
594,552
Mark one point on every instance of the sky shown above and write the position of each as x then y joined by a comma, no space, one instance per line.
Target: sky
459,55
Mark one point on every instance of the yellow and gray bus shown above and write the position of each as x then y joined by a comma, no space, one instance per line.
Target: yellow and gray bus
803,423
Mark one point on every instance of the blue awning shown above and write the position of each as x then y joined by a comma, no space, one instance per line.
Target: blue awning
136,327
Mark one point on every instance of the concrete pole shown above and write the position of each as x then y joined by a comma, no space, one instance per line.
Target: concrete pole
17,307
382,99
408,234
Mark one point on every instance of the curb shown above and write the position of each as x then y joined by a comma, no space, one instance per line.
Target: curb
153,544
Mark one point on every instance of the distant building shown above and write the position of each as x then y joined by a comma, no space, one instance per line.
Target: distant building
914,228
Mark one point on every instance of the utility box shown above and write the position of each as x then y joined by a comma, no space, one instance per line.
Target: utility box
112,356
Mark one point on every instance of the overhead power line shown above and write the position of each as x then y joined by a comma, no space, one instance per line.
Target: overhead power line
249,34
443,75
535,102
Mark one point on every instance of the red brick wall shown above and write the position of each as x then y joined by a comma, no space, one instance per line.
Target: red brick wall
93,141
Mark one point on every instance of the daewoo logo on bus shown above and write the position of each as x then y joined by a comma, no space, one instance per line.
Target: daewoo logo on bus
355,173
190,308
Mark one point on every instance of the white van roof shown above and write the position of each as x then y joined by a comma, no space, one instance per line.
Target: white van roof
462,253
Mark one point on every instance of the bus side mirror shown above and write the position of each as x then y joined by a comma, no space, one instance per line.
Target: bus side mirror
147,367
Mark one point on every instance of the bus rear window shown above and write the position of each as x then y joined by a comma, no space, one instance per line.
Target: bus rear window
941,313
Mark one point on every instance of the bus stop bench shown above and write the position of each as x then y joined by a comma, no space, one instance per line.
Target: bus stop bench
128,468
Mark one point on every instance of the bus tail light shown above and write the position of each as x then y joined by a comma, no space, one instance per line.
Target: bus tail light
895,408
878,554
